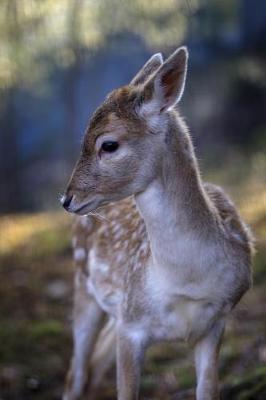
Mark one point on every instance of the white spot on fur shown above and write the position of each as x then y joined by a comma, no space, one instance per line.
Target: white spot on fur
84,221
96,263
79,254
137,335
74,241
135,332
77,279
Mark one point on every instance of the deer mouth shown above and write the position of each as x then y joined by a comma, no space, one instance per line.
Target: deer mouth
89,206
85,207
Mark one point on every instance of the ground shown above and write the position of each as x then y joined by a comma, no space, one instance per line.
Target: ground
35,317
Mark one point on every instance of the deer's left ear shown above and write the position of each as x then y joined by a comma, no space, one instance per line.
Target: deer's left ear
149,68
166,86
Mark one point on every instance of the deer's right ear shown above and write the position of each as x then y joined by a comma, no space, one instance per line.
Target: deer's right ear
150,67
165,87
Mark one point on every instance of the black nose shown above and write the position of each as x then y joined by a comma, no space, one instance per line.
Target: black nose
66,201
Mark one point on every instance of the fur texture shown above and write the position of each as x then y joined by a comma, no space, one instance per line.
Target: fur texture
169,257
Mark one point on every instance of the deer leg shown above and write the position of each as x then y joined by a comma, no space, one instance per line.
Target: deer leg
130,354
206,357
103,358
88,321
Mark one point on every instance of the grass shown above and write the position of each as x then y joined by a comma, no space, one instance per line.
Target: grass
35,316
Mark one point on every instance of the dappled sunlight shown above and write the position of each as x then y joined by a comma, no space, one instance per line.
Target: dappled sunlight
253,206
252,193
18,231
244,179
32,29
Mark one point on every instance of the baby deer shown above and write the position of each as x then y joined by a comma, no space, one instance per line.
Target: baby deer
170,256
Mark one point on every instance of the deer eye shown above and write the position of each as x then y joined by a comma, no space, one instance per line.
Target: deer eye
110,146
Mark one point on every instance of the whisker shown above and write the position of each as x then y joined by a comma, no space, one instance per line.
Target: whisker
97,215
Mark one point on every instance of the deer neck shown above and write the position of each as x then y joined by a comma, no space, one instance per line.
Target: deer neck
175,206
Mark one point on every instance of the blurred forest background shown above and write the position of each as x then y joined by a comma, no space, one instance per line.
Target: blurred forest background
58,60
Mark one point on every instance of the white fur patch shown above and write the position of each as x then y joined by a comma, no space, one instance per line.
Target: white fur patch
79,254
150,111
136,334
150,107
84,221
96,264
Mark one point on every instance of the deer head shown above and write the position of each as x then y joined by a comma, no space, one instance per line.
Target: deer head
125,140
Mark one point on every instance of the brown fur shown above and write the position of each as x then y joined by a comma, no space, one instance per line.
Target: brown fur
172,266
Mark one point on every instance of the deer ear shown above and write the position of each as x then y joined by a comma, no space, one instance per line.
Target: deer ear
145,72
165,88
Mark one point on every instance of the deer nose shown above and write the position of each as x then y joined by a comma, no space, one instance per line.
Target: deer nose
66,200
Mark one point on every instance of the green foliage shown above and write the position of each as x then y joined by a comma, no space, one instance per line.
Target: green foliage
35,35
48,328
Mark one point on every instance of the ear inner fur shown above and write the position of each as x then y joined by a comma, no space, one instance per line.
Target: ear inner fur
166,85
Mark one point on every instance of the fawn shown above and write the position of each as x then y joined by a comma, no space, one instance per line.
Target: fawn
170,256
